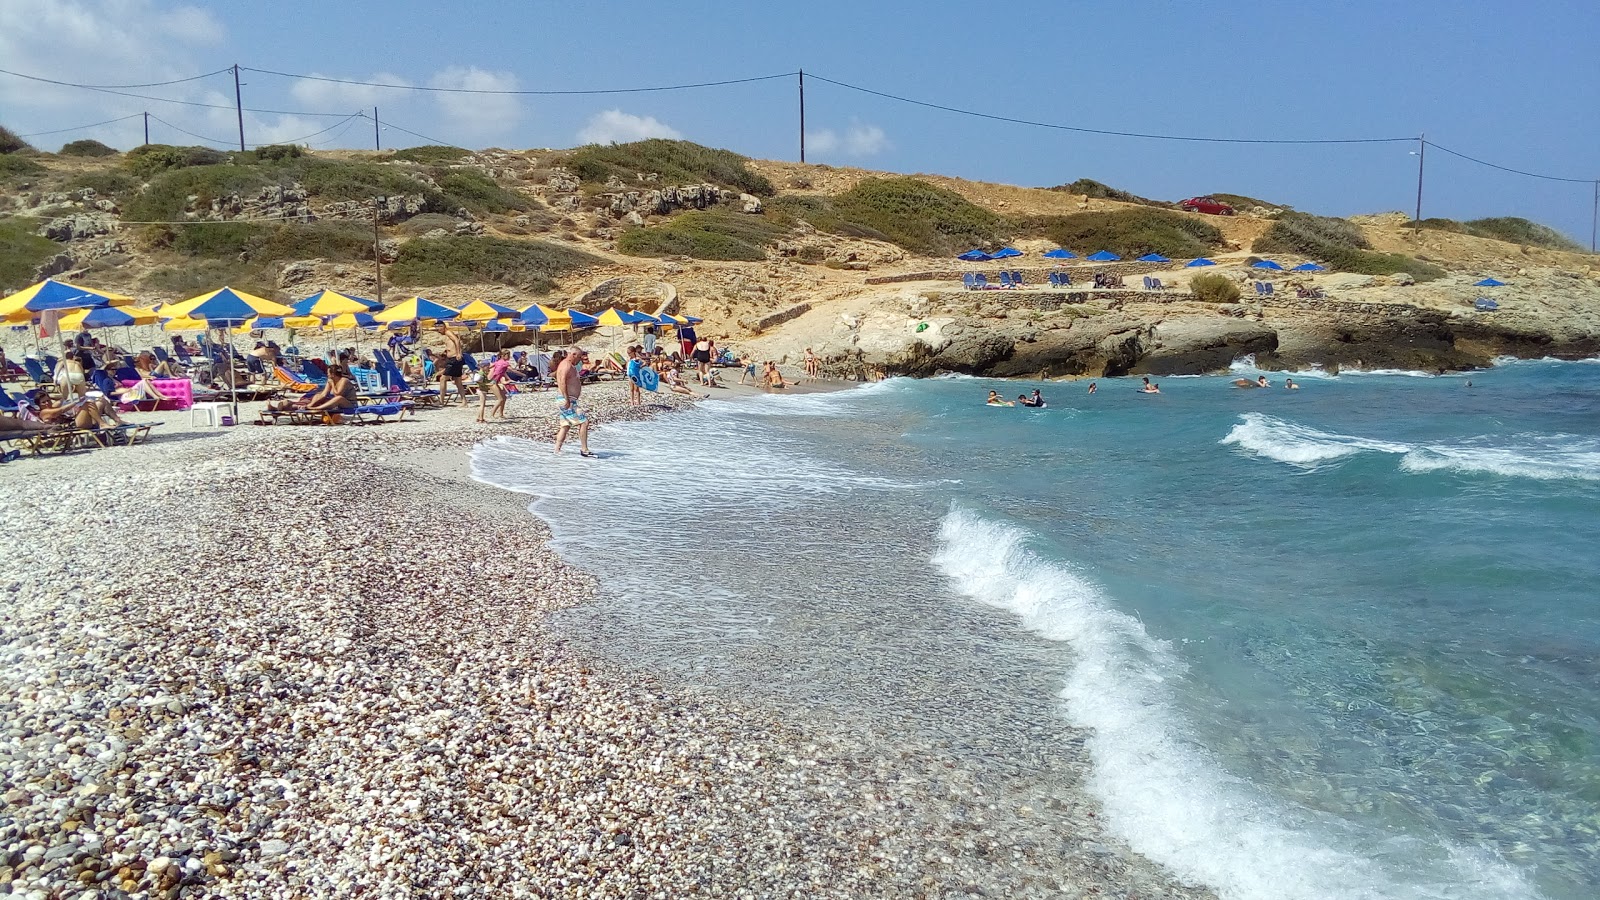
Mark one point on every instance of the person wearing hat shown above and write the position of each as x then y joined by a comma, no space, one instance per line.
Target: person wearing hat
569,384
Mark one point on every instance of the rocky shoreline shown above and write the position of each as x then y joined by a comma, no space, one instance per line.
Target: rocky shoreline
314,662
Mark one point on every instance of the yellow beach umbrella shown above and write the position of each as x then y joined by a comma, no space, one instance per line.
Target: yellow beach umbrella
108,317
52,294
226,306
184,323
260,322
417,308
483,311
333,303
614,317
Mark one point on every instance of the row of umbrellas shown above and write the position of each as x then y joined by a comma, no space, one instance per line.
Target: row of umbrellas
92,308
978,255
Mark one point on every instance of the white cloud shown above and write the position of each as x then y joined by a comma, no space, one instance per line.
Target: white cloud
857,140
616,126
330,96
470,117
97,42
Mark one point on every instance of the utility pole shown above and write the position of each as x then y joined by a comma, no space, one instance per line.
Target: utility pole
1422,151
377,139
238,105
802,115
377,252
147,128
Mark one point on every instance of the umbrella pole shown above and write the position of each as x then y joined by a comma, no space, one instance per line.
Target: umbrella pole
233,379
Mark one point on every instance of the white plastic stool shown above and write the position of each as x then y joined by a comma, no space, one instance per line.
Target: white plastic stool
212,410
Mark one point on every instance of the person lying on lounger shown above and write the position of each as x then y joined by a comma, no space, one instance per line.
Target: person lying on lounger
84,412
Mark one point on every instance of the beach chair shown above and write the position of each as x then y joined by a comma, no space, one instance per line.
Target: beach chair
35,370
1147,283
1484,304
309,368
401,390
981,281
1155,284
1266,289
1016,278
472,364
369,382
1005,279
968,282
161,354
287,379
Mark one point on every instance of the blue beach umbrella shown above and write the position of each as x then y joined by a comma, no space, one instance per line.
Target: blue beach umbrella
1489,282
1266,264
52,294
1006,253
1153,257
581,319
1059,253
975,255
1103,256
1197,263
1309,267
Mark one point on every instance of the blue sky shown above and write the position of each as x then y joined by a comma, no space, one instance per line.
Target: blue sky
1513,83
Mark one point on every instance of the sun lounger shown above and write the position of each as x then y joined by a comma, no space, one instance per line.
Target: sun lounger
1484,304
1016,279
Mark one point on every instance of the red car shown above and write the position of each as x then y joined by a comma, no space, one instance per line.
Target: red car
1211,206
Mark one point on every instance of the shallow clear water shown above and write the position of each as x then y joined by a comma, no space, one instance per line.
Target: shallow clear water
1338,642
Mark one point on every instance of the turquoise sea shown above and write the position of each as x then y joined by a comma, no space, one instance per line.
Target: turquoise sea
1337,642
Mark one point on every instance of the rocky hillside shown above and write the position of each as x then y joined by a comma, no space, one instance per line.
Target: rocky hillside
857,263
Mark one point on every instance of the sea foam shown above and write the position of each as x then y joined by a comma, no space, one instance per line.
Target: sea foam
1160,790
1544,457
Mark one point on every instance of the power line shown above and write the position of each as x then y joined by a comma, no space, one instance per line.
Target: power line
1491,165
388,124
104,90
109,87
345,121
81,127
1129,134
545,93
347,124
190,133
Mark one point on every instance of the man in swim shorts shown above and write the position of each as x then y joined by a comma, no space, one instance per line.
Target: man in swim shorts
452,368
569,384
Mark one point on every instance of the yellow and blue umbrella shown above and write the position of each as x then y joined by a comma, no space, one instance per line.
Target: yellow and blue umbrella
615,317
184,323
417,308
108,317
484,311
332,303
260,322
52,294
350,320
226,306
581,319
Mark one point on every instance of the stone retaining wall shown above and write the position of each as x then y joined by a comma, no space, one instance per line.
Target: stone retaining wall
773,320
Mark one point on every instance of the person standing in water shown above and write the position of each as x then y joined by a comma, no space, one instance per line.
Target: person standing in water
569,383
1289,385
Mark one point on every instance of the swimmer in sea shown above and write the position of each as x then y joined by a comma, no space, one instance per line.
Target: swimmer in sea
994,400
1093,387
1247,383
1150,388
1289,385
1037,399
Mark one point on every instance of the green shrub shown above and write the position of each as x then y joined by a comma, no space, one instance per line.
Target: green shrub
480,193
676,162
15,165
1213,288
10,143
338,180
1512,229
533,265
87,148
22,250
105,183
1338,244
1241,202
1091,188
820,214
920,217
148,159
199,276
165,197
432,154
707,234
417,226
1129,232
268,243
279,151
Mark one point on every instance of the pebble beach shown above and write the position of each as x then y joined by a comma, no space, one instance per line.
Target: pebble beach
315,662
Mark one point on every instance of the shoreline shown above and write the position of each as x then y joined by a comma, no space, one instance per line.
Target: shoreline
316,660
